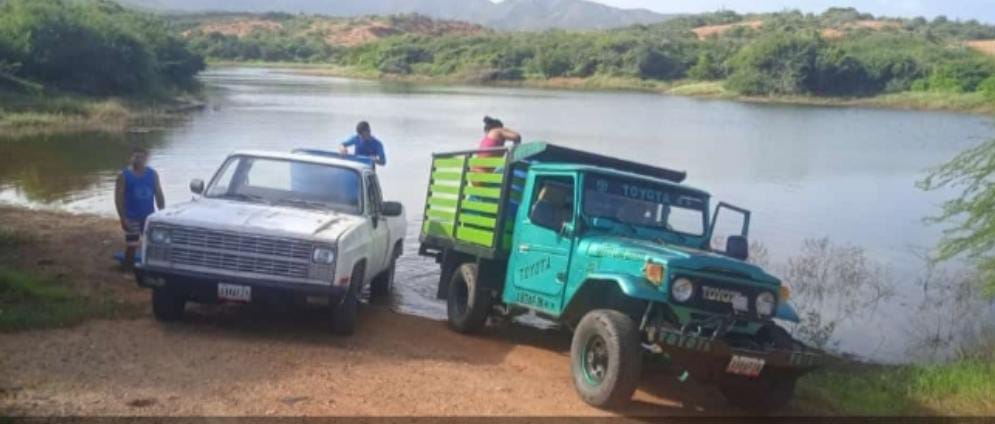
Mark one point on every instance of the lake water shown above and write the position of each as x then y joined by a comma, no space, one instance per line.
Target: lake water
806,172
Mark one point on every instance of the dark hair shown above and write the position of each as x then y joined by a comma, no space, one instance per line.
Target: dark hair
491,123
363,127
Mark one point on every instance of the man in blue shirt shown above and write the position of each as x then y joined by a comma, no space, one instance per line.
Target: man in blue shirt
137,194
365,144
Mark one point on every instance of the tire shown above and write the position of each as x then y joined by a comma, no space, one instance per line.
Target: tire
467,303
346,314
167,305
606,358
770,392
381,286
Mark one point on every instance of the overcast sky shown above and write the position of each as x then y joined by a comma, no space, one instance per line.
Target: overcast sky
982,10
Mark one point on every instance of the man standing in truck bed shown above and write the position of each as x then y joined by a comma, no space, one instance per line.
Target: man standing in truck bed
365,144
136,189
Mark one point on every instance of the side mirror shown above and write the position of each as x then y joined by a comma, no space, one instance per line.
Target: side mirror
197,186
738,247
392,209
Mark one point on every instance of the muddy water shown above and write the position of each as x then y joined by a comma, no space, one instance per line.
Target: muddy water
806,172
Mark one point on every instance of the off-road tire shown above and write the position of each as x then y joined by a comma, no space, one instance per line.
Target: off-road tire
618,357
167,304
468,302
346,313
381,286
773,390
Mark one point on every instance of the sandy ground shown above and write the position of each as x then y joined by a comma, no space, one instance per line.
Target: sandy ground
247,360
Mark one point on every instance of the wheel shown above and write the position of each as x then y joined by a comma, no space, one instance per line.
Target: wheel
346,313
774,389
167,305
606,358
381,286
467,303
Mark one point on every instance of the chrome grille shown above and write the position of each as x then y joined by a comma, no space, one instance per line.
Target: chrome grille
231,262
242,243
246,253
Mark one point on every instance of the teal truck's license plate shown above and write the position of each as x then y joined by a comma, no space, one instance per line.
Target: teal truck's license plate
745,366
234,292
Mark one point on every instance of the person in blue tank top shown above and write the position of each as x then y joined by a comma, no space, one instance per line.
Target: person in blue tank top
365,144
137,195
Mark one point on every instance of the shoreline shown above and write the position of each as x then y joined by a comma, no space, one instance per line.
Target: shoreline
925,101
25,116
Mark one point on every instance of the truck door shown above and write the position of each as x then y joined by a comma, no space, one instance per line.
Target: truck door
379,242
543,243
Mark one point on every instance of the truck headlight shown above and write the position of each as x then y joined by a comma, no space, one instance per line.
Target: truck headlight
159,236
681,290
324,256
765,304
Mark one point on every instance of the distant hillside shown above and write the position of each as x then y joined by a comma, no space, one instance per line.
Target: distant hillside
333,31
506,15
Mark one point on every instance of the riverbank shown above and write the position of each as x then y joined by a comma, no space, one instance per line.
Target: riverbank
28,115
974,103
248,361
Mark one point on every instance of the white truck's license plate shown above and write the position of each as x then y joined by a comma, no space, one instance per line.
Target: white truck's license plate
745,366
234,292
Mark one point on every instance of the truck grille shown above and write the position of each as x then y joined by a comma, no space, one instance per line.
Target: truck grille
230,251
699,301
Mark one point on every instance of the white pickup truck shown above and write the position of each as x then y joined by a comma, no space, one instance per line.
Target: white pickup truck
309,227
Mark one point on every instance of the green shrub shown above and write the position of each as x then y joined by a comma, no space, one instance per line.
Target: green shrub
987,88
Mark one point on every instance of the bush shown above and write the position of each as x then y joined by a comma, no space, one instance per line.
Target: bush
780,63
961,76
94,47
987,88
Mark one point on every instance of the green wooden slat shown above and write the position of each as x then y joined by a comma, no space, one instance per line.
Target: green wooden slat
491,208
448,163
438,229
482,177
490,193
487,162
447,189
445,176
478,220
475,236
441,215
440,202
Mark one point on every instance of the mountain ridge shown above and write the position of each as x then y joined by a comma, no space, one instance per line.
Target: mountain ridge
509,15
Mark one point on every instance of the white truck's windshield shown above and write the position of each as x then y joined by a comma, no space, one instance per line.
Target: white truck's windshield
644,204
284,182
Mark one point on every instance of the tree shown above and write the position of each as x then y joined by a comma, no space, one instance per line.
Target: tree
971,215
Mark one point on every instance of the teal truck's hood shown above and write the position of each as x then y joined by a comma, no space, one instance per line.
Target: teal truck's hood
673,257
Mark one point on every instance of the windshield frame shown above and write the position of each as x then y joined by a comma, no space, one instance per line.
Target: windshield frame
360,207
656,184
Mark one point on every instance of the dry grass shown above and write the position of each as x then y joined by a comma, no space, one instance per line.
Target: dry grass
715,30
984,46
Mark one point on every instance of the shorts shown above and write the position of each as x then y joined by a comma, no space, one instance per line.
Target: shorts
133,232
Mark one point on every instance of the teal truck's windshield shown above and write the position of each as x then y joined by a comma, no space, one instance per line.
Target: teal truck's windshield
644,204
284,182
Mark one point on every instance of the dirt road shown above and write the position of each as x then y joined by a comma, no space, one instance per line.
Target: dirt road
245,360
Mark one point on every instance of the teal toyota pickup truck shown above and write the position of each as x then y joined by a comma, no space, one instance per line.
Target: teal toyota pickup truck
622,254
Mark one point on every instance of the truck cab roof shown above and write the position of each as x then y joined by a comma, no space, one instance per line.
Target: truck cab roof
619,173
302,156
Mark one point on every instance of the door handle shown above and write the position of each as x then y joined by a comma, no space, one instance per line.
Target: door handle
524,248
561,277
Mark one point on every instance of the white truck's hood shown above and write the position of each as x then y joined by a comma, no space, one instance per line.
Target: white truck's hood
244,217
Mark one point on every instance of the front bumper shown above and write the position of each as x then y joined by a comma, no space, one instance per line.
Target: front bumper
203,287
709,356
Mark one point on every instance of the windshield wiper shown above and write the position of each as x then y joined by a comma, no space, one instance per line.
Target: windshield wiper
245,197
